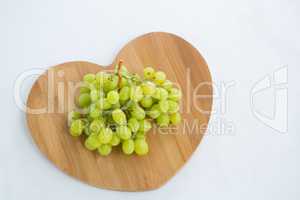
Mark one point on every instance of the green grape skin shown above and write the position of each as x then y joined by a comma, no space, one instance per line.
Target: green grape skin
160,94
136,93
138,113
124,82
92,142
175,94
103,104
112,97
149,73
123,70
119,117
104,149
124,104
94,95
145,126
73,115
159,77
76,128
94,111
96,125
100,77
128,146
146,101
167,85
140,135
123,132
115,141
84,89
163,120
154,112
175,118
84,100
110,82
124,93
163,106
86,130
89,78
105,135
116,106
163,94
148,88
173,106
133,124
136,79
141,147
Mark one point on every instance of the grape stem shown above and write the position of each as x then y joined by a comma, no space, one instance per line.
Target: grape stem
119,72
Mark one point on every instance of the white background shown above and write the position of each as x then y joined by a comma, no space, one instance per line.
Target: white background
242,41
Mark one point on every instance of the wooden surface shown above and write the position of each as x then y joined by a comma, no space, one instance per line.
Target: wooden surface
168,151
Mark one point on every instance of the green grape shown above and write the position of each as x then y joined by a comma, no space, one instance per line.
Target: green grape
92,142
108,102
72,116
128,147
123,132
123,70
163,94
141,147
173,106
140,135
93,85
136,79
124,103
112,97
149,73
89,78
94,95
159,77
100,77
163,106
160,94
148,88
136,93
116,106
146,101
105,135
110,82
104,149
96,126
115,141
163,120
84,100
124,82
84,89
124,93
154,112
133,124
119,116
76,128
103,104
138,113
86,130
167,85
94,111
145,126
175,94
175,118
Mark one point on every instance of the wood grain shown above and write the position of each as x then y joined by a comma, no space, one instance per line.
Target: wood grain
169,150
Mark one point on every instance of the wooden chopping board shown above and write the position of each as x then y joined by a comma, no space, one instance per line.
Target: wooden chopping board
51,98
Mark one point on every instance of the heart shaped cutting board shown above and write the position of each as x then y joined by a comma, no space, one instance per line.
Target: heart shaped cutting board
52,97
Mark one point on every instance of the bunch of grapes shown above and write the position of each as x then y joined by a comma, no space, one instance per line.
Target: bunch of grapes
119,108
